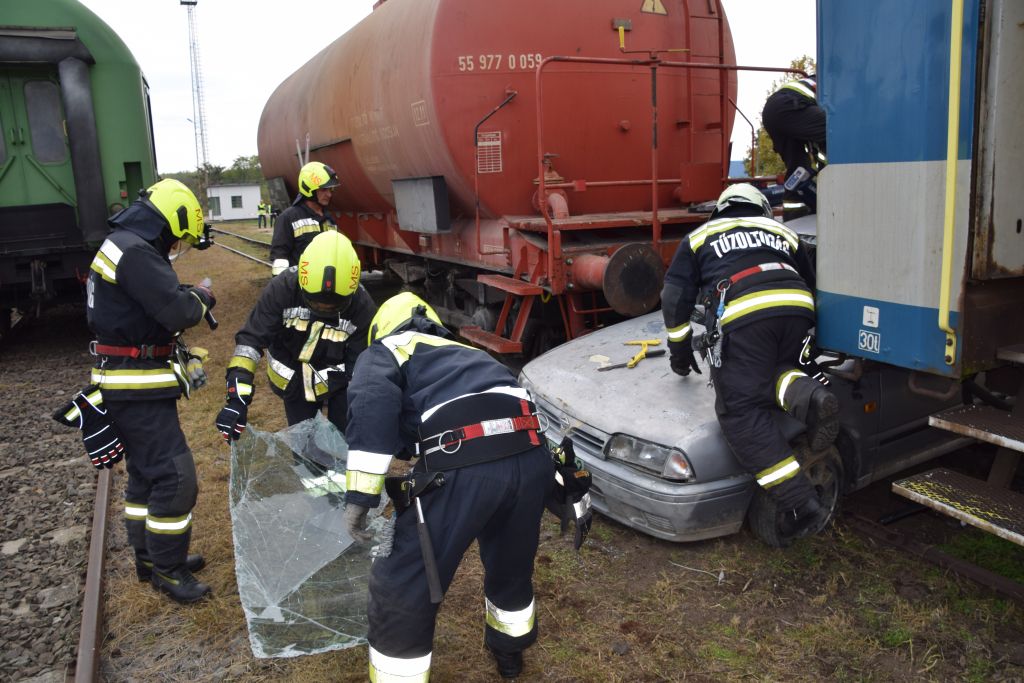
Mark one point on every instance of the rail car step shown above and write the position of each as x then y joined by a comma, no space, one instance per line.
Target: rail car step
1013,354
511,285
490,340
984,423
992,508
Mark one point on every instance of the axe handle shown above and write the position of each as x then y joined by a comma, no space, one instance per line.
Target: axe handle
429,559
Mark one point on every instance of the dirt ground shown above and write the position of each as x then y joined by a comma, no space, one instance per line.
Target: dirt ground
626,608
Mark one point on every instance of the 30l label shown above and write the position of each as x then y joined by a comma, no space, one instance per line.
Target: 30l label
869,341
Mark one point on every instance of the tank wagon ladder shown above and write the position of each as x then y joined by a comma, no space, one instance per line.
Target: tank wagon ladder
988,505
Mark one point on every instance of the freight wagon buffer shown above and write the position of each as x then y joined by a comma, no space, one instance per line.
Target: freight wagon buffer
496,157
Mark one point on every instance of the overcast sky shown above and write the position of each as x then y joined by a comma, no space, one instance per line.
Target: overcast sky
247,47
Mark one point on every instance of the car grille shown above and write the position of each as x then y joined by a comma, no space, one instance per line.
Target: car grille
585,439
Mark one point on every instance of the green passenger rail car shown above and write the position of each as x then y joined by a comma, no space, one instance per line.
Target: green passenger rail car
76,144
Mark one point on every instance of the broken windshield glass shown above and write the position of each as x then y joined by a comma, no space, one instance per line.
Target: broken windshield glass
302,580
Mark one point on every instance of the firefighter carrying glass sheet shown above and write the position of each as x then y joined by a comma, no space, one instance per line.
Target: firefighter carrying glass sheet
483,474
755,284
312,321
136,308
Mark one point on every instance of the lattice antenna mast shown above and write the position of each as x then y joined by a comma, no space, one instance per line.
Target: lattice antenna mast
198,102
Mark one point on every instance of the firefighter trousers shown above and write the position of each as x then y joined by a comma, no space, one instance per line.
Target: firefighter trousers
790,124
754,357
497,503
297,410
162,488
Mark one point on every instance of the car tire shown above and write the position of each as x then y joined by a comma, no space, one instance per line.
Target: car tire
825,471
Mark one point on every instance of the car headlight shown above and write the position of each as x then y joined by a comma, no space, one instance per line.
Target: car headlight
669,463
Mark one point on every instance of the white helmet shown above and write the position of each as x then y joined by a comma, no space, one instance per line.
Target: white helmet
742,193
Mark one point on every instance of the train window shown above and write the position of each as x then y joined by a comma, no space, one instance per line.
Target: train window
45,121
236,201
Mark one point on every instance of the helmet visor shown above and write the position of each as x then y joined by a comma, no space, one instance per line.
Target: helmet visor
327,305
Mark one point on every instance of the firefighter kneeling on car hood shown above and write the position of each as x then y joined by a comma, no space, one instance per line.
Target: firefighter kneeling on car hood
484,472
756,283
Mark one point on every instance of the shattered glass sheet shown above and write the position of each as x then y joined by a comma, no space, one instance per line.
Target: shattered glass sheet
301,578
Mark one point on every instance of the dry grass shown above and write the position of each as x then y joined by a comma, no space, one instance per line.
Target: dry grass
627,608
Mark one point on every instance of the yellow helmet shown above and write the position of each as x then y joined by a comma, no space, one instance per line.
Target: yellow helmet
316,176
329,273
180,208
396,311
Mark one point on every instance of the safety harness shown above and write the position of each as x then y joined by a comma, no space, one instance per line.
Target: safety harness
476,429
709,344
143,351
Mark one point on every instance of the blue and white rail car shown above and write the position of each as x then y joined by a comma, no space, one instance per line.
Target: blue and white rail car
921,251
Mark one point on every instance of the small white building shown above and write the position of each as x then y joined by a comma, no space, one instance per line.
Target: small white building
233,201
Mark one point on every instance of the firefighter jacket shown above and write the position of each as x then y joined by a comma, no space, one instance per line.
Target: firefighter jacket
134,300
772,272
294,229
801,93
399,383
308,357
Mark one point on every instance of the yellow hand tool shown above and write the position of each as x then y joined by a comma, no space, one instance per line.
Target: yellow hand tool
643,344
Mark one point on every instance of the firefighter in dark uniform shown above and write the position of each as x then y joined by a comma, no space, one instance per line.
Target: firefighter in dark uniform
136,307
417,391
796,125
306,218
757,284
312,321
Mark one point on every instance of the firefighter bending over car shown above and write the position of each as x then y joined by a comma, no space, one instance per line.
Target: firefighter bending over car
312,321
756,285
484,472
136,308
306,218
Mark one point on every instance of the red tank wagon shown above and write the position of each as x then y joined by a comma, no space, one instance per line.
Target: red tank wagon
513,152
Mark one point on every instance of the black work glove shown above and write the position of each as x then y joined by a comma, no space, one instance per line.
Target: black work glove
681,358
231,420
102,440
570,498
355,522
205,295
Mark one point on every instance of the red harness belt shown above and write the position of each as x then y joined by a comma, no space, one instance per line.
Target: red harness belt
144,351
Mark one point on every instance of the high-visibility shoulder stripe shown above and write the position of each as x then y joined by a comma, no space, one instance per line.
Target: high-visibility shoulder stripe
403,345
768,298
384,669
800,87
517,392
720,225
106,270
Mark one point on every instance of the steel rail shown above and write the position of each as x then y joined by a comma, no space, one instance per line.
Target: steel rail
241,237
88,661
242,253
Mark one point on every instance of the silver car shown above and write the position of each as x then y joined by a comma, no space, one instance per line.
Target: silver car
659,462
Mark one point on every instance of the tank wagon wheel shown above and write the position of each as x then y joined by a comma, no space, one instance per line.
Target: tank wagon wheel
825,471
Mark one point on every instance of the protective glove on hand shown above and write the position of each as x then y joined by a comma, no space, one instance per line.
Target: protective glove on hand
205,295
355,522
231,420
681,359
102,440
570,498
194,366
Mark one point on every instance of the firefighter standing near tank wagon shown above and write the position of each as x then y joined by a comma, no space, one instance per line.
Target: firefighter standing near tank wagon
312,321
756,284
483,474
796,124
136,308
307,217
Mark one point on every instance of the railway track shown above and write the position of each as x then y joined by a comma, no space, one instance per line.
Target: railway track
248,240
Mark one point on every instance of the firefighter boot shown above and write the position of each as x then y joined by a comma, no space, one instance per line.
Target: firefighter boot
807,518
180,585
144,566
810,402
510,664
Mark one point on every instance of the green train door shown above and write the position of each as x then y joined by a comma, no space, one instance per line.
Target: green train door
35,161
